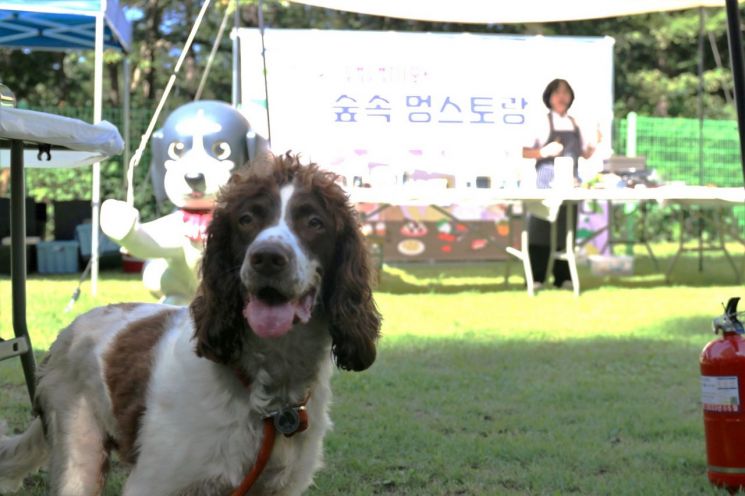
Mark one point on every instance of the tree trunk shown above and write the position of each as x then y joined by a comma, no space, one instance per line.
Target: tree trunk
62,82
154,15
114,94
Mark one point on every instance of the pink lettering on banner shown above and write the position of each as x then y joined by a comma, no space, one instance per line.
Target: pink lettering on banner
424,109
514,108
416,101
382,108
451,110
482,107
345,112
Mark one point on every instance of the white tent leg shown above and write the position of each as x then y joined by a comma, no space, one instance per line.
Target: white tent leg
125,109
96,186
236,96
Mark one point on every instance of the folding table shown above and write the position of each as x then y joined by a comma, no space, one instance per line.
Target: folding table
71,143
546,202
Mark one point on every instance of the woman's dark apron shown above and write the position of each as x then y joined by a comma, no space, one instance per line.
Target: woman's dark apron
539,230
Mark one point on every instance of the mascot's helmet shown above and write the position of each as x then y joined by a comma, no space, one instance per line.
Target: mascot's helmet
196,151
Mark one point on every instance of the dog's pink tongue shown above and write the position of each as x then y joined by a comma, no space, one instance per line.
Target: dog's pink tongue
269,321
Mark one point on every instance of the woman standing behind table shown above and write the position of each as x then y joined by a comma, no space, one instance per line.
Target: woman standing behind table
558,135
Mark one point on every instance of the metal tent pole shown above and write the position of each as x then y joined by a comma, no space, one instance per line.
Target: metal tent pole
736,56
266,80
700,96
125,109
700,112
236,56
18,259
96,185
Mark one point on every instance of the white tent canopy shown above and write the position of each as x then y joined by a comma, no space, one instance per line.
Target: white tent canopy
500,12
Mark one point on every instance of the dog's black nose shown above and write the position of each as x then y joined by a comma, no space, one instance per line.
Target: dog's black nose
196,182
269,260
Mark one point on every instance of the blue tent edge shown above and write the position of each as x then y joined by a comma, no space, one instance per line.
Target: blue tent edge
118,30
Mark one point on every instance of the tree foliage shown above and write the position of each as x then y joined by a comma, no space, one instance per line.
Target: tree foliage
656,55
656,64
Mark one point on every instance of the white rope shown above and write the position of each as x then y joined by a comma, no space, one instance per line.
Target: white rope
266,81
151,127
213,52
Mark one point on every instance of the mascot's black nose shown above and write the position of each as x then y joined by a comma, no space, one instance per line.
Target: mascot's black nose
196,182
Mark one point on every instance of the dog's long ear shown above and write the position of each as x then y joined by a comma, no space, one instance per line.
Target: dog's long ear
217,308
354,319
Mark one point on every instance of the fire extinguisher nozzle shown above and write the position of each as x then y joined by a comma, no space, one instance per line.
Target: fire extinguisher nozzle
731,309
729,323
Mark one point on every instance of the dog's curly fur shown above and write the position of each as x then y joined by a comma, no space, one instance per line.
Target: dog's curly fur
165,385
347,297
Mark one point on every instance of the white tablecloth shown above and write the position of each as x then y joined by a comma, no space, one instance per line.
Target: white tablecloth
545,203
455,196
88,143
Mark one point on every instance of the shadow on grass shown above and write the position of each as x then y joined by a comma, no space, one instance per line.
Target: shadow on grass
488,277
485,277
104,275
504,416
594,416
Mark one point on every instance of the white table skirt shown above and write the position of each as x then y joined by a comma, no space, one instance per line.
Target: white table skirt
88,143
550,197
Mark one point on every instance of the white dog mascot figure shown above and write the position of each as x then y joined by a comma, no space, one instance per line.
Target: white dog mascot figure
194,155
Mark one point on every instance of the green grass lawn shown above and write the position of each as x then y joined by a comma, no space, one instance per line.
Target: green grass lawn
479,389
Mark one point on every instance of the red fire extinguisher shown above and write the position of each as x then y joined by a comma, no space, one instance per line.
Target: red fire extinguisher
722,392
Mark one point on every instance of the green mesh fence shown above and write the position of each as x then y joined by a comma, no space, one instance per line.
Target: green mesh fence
681,149
675,148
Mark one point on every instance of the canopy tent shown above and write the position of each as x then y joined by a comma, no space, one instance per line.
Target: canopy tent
528,11
490,12
61,25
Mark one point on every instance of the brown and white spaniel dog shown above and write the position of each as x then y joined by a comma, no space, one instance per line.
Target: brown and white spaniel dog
181,393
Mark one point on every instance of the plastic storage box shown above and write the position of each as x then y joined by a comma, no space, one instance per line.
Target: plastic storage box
57,257
83,236
609,265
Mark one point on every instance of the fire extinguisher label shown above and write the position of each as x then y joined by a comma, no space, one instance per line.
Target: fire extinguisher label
720,393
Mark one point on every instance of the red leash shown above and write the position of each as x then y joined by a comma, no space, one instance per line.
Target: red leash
261,460
289,421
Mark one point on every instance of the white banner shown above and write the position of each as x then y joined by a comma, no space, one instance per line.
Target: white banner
481,12
455,104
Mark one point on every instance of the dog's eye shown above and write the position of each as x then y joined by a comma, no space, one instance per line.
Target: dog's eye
176,150
315,222
245,219
221,150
